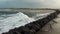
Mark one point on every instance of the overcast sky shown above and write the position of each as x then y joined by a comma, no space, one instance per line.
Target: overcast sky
29,3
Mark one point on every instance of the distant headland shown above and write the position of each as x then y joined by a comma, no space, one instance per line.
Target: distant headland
30,8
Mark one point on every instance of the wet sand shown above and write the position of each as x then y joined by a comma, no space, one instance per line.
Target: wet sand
55,29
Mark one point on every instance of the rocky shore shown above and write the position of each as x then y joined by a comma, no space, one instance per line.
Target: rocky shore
35,26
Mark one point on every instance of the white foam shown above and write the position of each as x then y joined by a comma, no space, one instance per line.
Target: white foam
17,20
40,16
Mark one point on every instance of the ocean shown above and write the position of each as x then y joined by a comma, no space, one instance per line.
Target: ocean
14,19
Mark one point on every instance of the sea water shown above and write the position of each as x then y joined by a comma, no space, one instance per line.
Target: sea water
10,19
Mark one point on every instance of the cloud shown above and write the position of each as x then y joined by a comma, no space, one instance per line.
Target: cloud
29,3
52,3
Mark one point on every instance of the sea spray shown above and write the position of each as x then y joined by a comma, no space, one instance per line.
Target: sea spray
14,21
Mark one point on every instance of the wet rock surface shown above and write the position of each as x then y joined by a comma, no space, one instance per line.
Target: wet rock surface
55,27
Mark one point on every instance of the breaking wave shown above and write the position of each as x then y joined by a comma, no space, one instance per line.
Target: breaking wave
13,20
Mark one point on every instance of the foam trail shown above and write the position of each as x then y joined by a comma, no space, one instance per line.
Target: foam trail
40,16
16,20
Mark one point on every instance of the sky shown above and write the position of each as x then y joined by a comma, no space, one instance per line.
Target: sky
29,3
